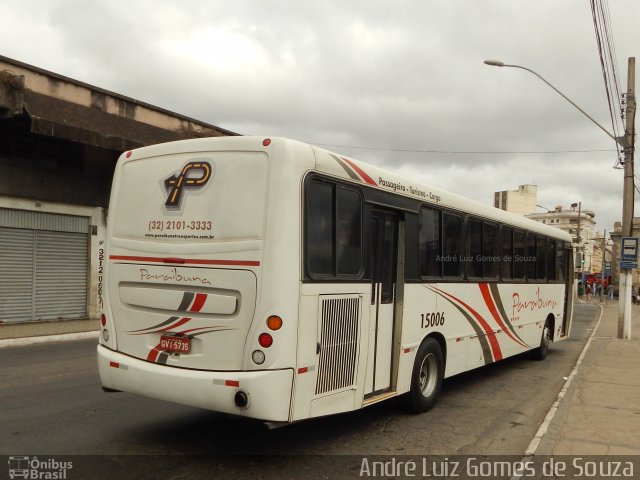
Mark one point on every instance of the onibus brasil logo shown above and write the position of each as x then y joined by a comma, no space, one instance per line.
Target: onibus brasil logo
36,469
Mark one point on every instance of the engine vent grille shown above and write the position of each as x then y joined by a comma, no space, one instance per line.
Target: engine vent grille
339,324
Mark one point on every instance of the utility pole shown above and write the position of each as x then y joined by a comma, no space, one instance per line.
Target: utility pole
624,307
628,143
581,245
579,248
604,262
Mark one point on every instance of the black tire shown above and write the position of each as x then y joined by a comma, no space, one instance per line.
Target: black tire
541,352
426,377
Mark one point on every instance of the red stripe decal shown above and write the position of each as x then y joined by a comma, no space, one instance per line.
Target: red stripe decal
153,354
361,172
114,364
484,289
192,261
491,336
198,303
175,325
303,370
232,383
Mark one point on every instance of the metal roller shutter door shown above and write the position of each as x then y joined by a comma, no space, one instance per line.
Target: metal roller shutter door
61,275
43,268
16,274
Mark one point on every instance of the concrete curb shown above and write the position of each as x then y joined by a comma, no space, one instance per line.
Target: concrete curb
16,342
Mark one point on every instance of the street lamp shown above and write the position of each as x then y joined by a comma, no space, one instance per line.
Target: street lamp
627,143
497,63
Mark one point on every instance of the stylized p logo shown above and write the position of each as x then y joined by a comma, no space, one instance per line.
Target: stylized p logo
193,175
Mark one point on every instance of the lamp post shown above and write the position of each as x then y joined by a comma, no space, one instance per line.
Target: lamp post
604,262
627,142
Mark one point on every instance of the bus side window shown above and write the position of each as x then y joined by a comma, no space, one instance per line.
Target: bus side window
560,261
551,259
429,243
506,252
348,232
319,228
491,260
541,257
451,244
530,258
474,240
333,226
518,255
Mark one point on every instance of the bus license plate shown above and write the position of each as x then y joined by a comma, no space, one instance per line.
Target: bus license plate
175,344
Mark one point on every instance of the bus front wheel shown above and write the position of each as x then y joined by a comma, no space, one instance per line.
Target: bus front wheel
426,378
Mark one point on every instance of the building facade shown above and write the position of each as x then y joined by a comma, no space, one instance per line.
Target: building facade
59,142
522,201
580,224
602,254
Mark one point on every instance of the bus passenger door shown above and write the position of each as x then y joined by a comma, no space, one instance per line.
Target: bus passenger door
384,253
568,292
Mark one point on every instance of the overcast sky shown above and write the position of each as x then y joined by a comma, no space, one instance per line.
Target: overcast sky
402,81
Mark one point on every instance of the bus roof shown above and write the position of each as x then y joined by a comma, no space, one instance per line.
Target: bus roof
357,171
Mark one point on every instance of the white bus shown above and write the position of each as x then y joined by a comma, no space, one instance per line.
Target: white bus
275,280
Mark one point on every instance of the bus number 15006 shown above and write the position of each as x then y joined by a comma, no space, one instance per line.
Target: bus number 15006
432,319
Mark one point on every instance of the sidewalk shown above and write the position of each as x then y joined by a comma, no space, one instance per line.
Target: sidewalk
600,411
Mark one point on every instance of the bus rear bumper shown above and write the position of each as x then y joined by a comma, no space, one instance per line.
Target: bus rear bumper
268,392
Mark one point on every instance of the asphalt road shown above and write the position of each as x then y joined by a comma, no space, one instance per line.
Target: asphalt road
51,404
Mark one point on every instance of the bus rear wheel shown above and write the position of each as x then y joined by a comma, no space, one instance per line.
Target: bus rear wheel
426,377
541,352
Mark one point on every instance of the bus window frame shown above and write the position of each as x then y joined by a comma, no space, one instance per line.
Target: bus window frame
308,275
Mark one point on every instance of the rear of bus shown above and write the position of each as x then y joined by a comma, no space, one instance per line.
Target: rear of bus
185,318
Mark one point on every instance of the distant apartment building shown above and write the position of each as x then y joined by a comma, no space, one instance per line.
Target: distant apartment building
522,201
580,224
602,253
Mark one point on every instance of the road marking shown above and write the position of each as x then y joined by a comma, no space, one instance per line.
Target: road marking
16,342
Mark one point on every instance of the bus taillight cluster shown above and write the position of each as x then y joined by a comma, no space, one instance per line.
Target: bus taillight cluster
265,339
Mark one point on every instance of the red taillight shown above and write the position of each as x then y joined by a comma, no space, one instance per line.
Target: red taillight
266,142
128,154
103,320
265,340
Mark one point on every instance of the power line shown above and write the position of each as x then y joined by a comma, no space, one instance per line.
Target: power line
606,53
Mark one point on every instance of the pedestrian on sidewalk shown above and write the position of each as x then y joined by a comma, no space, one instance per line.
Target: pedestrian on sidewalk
580,289
610,291
588,292
634,295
